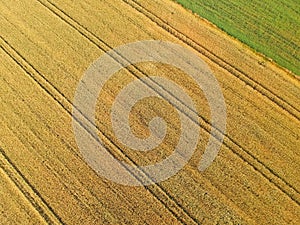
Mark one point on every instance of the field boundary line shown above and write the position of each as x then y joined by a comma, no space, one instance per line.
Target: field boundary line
244,154
156,190
263,90
28,191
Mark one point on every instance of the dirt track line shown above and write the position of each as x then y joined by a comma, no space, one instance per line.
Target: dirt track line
156,190
244,154
263,90
29,192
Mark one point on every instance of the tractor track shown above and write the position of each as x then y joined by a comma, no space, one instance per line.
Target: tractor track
263,90
28,191
235,147
158,191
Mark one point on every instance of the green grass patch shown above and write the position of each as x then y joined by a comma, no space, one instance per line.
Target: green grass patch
271,27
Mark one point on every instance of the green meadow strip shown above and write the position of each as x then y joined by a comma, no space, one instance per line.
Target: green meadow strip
271,27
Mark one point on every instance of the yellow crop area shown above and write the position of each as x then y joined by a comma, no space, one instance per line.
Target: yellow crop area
46,48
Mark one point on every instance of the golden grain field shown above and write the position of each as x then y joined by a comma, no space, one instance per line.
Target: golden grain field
47,45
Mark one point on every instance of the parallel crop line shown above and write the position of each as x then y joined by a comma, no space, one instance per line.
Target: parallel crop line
236,148
28,191
29,145
251,14
72,151
62,98
156,190
263,90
